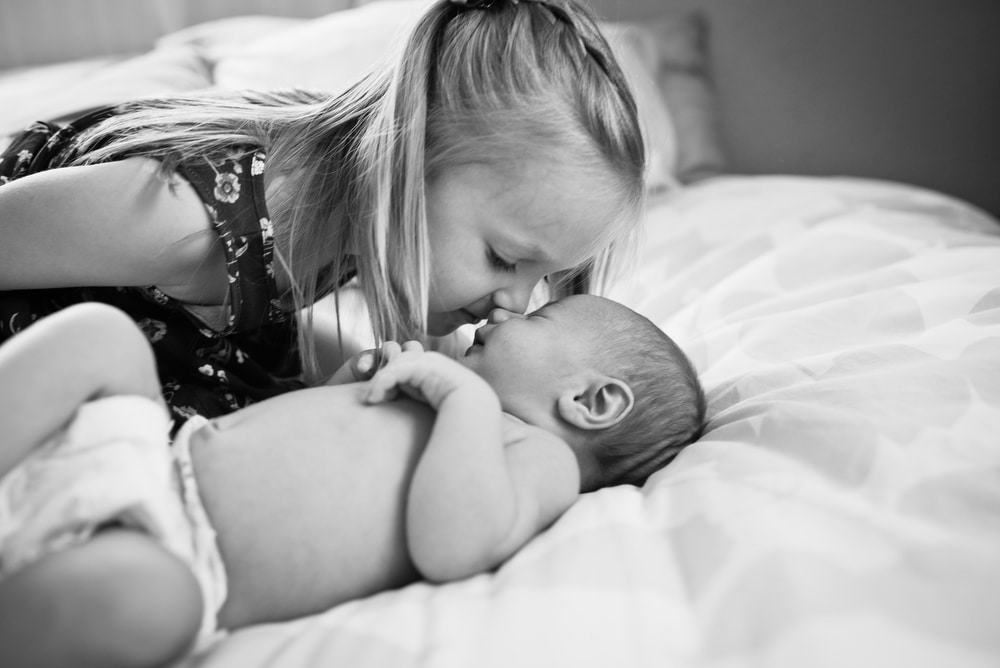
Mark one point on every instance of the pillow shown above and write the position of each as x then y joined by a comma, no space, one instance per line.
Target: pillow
54,92
638,56
328,53
663,59
666,62
213,38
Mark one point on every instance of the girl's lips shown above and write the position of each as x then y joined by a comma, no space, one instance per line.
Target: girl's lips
472,317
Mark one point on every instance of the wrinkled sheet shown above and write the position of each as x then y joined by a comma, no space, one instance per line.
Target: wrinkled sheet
843,508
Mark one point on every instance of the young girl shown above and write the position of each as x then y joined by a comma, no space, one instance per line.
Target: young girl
500,147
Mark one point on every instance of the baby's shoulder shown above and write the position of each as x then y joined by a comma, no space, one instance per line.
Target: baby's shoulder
536,441
542,462
516,429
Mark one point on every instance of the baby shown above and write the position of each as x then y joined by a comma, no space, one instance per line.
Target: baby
131,550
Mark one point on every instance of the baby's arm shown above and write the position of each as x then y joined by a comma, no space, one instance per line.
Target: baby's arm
477,495
47,371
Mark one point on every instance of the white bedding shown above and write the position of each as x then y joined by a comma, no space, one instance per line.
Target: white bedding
842,509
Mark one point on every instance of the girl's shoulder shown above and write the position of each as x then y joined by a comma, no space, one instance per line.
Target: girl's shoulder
232,189
231,185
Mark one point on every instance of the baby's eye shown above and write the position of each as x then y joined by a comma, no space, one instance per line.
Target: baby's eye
499,263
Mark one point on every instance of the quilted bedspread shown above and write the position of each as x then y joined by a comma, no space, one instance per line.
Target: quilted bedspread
843,508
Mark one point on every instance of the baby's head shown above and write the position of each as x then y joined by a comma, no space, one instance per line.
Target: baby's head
603,377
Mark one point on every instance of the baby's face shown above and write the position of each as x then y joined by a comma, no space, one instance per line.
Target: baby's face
525,358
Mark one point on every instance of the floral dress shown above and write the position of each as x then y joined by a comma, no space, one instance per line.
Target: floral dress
210,361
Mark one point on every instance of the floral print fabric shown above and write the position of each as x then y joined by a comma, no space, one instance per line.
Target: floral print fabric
211,361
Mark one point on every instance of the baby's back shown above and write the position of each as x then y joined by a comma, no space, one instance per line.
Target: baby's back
307,492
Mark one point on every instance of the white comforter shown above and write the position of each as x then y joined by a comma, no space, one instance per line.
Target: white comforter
843,508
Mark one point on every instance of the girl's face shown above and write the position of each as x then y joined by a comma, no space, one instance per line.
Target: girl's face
495,233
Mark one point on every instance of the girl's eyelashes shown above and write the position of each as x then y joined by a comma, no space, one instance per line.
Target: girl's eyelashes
499,263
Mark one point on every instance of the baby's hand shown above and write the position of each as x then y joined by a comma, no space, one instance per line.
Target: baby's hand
363,365
426,376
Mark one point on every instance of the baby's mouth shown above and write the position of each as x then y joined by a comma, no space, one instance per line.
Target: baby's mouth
477,342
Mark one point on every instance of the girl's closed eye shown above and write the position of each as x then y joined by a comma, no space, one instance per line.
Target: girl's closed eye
499,263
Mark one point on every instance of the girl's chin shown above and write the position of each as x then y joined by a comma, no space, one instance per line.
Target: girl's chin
440,324
439,328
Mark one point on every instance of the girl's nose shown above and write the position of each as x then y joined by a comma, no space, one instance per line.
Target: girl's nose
496,316
514,298
499,315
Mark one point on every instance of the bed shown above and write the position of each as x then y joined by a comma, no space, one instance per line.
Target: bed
843,506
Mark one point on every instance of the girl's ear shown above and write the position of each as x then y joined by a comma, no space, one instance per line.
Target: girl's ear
603,403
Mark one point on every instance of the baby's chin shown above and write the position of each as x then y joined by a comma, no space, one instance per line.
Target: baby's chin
470,358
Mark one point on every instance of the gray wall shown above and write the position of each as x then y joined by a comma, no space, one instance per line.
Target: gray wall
900,89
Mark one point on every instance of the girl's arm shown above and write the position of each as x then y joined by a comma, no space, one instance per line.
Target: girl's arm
476,496
120,223
83,352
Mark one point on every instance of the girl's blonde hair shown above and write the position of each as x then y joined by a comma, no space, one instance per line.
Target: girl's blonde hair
493,84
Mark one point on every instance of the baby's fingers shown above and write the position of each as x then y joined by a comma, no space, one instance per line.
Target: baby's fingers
411,346
398,366
368,363
364,365
389,350
383,387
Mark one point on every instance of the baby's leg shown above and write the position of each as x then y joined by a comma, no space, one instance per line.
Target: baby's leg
47,371
119,600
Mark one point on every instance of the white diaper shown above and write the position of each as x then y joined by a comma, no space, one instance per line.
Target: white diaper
113,463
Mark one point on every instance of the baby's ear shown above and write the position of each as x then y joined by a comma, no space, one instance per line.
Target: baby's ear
604,402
